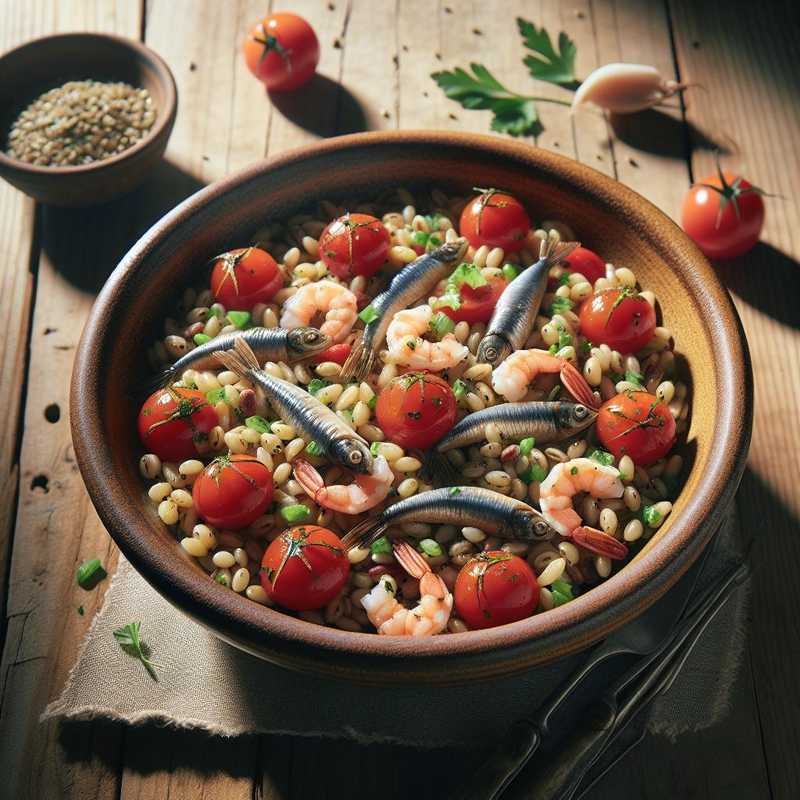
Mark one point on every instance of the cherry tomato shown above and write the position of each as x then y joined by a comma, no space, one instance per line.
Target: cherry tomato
232,491
636,424
495,588
477,305
355,244
244,277
587,262
173,422
337,353
304,568
282,51
723,214
620,318
496,220
416,409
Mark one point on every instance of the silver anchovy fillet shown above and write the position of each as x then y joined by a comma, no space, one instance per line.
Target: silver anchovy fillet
413,282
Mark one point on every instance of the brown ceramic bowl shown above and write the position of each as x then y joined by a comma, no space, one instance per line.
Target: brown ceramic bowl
42,64
609,218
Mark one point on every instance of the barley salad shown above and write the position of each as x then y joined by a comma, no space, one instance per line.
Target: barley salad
413,416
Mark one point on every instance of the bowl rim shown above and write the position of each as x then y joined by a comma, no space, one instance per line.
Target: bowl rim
620,598
164,117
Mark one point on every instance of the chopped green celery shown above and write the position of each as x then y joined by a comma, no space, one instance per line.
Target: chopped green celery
535,472
564,339
381,546
634,377
553,349
441,325
430,547
526,445
600,456
375,449
373,401
510,272
459,388
368,314
215,395
560,305
257,423
650,516
241,319
316,384
90,573
313,449
420,238
297,513
201,338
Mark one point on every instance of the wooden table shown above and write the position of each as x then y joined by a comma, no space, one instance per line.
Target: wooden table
375,66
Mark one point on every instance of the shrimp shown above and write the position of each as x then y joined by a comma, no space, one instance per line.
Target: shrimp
513,377
407,347
364,493
567,479
338,304
391,618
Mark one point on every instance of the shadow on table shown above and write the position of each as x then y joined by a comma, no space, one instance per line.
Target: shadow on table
85,244
323,107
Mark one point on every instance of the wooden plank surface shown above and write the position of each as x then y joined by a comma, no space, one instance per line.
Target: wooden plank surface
374,74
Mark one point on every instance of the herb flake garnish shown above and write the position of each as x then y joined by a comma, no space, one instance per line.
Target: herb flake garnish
130,641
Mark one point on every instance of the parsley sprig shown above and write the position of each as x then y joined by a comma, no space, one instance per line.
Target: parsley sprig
130,640
548,64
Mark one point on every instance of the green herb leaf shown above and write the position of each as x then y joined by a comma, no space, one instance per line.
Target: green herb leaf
316,384
441,325
534,473
369,314
297,513
600,456
513,113
313,449
510,272
634,377
257,423
547,64
459,388
431,547
241,319
130,640
381,546
201,338
90,573
526,445
215,395
560,305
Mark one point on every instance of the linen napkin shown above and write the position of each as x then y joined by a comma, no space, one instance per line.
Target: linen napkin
206,683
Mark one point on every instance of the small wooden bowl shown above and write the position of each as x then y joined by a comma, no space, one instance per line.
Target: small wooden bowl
607,217
42,64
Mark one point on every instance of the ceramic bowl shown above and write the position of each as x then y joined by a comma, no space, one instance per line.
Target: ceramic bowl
42,64
607,217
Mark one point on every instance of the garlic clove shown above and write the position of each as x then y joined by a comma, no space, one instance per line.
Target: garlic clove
624,88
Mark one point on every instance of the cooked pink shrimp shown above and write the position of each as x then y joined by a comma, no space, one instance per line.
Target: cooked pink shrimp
566,480
364,493
391,617
407,347
513,377
336,302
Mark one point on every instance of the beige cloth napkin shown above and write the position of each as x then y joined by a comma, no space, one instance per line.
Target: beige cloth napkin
205,683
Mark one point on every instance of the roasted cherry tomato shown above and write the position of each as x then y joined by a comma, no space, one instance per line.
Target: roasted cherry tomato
416,409
282,51
337,353
636,424
304,568
495,588
496,220
355,244
173,422
587,262
244,277
232,491
620,318
477,305
723,214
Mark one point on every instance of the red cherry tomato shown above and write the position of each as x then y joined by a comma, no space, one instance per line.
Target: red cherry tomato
337,353
232,491
355,244
636,424
620,318
282,51
495,588
496,220
416,409
244,277
173,422
304,568
709,215
477,305
587,262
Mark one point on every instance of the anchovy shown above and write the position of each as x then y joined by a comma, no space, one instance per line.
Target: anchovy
490,511
416,280
268,344
515,314
545,421
302,410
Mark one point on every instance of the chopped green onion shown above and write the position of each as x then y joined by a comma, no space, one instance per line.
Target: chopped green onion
315,384
313,449
586,347
368,314
215,395
459,388
600,456
565,587
297,513
216,311
441,325
634,377
454,490
564,339
535,472
434,240
221,578
526,445
201,338
559,598
553,349
346,414
560,305
381,546
90,573
430,547
375,449
420,238
241,319
373,401
651,516
257,423
510,272
563,279
554,393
